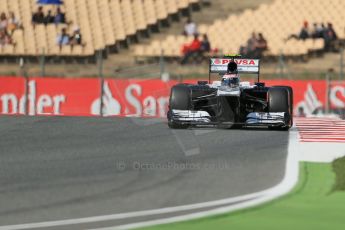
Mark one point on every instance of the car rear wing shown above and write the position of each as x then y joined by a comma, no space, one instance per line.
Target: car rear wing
244,65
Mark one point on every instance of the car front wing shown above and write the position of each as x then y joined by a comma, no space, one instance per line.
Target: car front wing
274,119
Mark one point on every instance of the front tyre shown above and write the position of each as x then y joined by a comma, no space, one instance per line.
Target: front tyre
279,101
180,99
290,90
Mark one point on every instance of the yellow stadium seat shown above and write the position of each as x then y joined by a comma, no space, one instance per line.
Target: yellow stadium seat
171,6
150,12
161,10
7,49
66,50
139,15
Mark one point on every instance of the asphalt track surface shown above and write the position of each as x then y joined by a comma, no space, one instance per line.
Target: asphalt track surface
54,168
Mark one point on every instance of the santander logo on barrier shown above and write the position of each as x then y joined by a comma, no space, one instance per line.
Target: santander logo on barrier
311,103
337,96
137,98
43,104
145,100
81,97
132,100
110,107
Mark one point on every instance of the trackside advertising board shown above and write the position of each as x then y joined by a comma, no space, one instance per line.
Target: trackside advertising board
140,98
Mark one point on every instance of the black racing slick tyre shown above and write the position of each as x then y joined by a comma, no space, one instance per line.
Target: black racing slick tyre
180,99
279,101
290,101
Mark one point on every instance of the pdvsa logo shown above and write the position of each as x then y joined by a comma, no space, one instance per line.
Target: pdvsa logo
217,62
238,62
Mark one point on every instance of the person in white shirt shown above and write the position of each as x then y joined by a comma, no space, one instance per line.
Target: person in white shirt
13,23
190,28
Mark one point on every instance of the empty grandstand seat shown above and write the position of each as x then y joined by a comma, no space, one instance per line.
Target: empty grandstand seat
66,50
77,50
7,49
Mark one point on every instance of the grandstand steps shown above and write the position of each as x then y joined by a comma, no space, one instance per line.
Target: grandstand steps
314,68
220,9
321,64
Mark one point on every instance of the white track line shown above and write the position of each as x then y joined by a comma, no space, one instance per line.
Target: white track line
323,141
130,214
285,186
288,182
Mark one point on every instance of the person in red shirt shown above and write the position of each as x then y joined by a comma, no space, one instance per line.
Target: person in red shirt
191,49
195,44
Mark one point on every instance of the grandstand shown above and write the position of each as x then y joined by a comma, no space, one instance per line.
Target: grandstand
104,24
125,28
276,21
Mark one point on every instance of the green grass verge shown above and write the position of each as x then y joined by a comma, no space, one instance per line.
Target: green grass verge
313,204
339,170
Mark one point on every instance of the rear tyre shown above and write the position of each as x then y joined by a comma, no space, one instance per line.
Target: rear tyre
179,100
278,101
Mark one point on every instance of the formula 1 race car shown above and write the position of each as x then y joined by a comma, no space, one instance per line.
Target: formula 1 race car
229,102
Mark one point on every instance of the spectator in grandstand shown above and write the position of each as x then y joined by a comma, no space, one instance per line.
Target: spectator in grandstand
190,28
5,38
323,27
303,34
38,17
249,49
191,49
330,36
260,46
63,38
3,21
205,45
13,23
59,16
76,38
318,30
49,18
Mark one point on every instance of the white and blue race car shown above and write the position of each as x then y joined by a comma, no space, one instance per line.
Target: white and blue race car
230,102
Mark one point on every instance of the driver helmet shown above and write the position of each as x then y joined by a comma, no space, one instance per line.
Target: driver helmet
232,67
231,78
